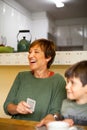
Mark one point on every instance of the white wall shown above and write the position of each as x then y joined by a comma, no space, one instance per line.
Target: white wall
13,18
11,21
39,25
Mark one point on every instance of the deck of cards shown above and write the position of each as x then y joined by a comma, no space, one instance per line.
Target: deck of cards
31,103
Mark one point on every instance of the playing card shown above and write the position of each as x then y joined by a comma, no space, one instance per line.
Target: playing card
32,103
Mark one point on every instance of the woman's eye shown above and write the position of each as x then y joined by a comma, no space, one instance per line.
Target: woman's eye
36,51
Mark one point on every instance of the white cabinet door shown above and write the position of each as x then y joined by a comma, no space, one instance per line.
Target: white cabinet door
77,35
85,38
63,35
70,35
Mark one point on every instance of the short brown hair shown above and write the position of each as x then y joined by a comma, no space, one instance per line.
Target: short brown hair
78,70
48,48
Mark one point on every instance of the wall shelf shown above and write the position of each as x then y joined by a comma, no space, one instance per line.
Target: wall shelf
14,58
69,57
62,58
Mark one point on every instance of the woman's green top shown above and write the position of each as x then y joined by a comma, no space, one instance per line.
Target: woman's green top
48,93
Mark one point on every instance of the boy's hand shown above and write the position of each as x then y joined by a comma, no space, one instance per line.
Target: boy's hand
69,121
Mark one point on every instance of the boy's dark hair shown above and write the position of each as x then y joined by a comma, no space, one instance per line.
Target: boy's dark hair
78,70
48,48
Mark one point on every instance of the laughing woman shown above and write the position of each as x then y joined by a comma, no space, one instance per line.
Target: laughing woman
45,87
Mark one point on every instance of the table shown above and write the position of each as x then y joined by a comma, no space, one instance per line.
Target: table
14,124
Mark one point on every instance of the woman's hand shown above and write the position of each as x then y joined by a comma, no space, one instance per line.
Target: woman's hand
46,120
23,108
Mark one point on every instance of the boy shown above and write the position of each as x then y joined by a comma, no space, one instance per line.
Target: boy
74,108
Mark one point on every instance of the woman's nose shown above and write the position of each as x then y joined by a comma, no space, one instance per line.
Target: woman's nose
31,54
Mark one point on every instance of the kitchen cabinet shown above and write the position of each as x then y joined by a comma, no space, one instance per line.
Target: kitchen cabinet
85,37
71,37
